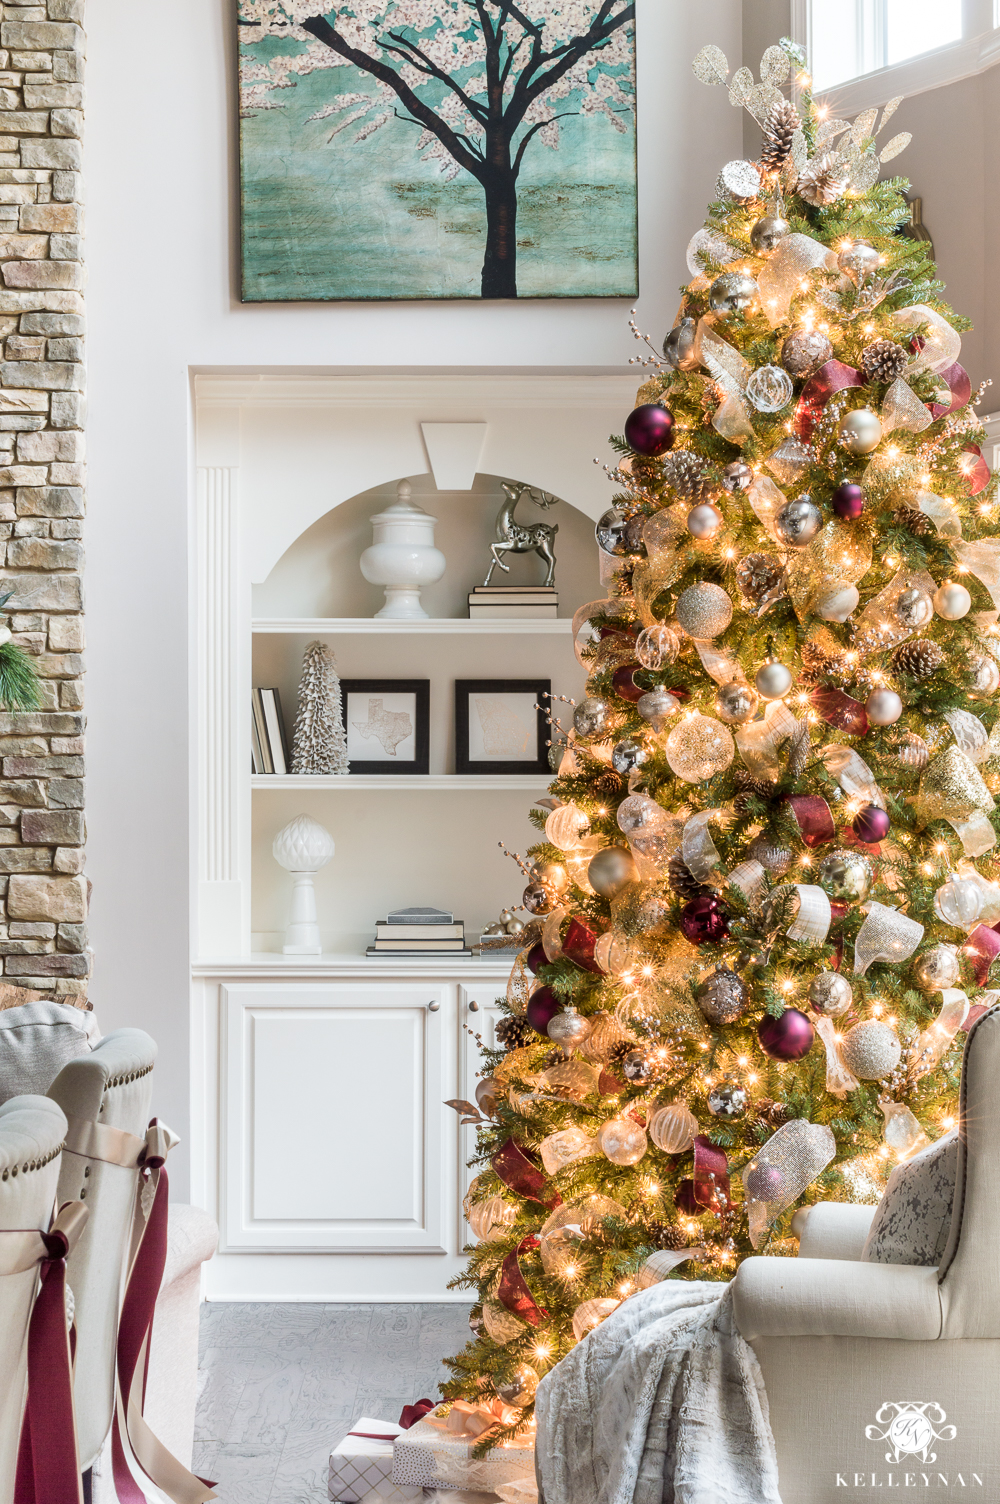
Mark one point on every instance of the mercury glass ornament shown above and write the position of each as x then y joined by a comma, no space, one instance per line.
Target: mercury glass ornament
569,1029
551,875
704,520
937,968
637,1066
766,233
859,261
727,1101
773,858
722,996
611,870
519,1390
830,994
622,1141
698,748
732,292
770,389
704,610
656,646
845,876
952,601
610,531
773,680
739,182
959,901
798,522
883,707
736,702
590,717
678,347
737,476
871,1050
804,351
860,431
836,602
914,608
628,755
538,900
673,1128
985,673
657,707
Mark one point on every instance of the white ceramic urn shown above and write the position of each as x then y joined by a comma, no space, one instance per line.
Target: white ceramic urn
402,556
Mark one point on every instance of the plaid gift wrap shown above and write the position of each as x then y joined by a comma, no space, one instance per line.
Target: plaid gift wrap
362,1464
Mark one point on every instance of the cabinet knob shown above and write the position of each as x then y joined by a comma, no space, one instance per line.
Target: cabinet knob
473,1006
433,1007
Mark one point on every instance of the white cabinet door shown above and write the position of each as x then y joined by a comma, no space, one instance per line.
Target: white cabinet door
332,1120
478,1013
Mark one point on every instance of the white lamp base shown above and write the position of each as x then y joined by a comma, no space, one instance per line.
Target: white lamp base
302,931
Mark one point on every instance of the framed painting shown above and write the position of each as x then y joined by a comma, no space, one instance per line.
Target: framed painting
387,724
380,158
501,726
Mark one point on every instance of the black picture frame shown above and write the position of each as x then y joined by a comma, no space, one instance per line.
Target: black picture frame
387,765
540,691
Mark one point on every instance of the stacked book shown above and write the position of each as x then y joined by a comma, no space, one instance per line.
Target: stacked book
419,932
497,602
267,733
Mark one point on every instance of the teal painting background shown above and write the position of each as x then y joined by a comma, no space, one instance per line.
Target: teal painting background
333,220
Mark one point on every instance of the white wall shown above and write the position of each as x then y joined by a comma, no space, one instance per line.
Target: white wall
162,250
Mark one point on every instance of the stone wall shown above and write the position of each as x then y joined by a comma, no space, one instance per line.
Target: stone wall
43,922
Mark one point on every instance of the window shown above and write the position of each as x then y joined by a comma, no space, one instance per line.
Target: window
848,38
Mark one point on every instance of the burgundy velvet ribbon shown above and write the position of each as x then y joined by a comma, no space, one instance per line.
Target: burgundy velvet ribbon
609,1085
578,944
867,848
832,377
813,817
513,1290
410,1414
711,1175
48,1468
840,711
960,387
521,1175
982,948
977,477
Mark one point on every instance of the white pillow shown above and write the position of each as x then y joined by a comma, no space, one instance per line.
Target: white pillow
36,1041
913,1219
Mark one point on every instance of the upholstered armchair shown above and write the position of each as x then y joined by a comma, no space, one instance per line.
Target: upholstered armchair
874,1370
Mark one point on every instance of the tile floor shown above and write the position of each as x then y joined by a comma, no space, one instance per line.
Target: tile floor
280,1385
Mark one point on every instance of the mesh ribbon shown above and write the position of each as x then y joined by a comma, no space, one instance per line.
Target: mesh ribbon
813,817
852,773
780,279
832,377
711,1175
839,1080
840,711
934,1041
698,850
796,1154
886,935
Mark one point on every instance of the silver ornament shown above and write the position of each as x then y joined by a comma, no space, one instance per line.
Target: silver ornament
637,1066
698,748
871,1050
773,680
722,996
657,707
836,602
859,261
860,431
883,707
657,646
737,476
798,522
766,233
628,755
739,182
732,292
959,902
520,1390
804,351
914,608
770,389
937,968
704,520
538,899
704,611
611,532
830,994
611,870
590,717
985,673
736,702
846,876
727,1101
569,1029
773,858
952,601
678,347
912,751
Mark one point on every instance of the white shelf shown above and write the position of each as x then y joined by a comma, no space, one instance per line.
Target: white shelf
356,781
363,625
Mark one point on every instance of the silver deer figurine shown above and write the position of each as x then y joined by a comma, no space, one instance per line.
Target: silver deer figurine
514,538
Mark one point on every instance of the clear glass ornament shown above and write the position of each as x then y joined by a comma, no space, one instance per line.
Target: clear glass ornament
770,389
673,1128
565,826
489,1218
959,902
656,646
698,748
622,1141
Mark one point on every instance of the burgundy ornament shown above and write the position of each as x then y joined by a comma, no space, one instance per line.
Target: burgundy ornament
536,958
684,1199
650,429
711,1175
623,680
848,501
786,1038
871,824
578,943
542,1008
982,948
704,919
765,1183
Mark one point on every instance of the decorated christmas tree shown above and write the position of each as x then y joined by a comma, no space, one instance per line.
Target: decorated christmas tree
765,886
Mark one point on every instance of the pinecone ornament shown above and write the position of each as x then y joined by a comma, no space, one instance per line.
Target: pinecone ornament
883,360
686,474
617,1054
822,180
816,663
757,575
668,1235
515,1033
760,788
780,124
914,520
683,881
919,659
766,1111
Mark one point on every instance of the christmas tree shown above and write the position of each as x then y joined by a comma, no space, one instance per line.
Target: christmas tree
319,743
766,879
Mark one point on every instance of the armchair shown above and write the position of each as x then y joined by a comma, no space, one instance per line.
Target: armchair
881,1375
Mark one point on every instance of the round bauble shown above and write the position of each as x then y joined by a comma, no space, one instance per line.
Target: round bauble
569,1029
704,919
732,292
536,958
937,968
848,501
657,707
913,608
542,1008
678,347
788,1037
704,610
727,1101
804,351
836,602
767,233
773,680
859,261
488,1095
538,899
770,389
704,520
985,672
638,1066
622,1141
860,431
959,901
628,755
590,717
623,680
738,182
845,876
673,1128
656,646
765,1183
883,707
551,875
798,522
871,824
737,476
952,601
830,994
736,702
649,429
520,1389
698,748
871,1050
773,858
610,532
611,870
722,996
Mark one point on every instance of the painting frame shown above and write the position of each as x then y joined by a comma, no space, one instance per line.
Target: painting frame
386,766
540,691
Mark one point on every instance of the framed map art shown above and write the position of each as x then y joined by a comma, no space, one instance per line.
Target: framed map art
387,724
500,725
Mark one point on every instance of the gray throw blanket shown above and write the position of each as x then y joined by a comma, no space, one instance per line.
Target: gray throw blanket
663,1403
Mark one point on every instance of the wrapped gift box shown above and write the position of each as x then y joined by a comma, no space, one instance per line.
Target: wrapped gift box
430,1456
362,1464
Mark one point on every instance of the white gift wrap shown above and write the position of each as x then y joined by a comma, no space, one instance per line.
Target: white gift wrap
427,1456
360,1466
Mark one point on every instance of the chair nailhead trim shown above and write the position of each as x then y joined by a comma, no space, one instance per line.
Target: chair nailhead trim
36,1164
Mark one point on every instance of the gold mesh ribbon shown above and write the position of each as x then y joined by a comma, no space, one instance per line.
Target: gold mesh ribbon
878,626
952,788
840,555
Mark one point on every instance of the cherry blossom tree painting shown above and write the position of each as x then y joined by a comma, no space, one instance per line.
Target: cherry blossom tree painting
437,148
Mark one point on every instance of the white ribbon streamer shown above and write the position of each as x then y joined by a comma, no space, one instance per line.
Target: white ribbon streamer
970,733
750,878
886,935
982,559
852,773
758,741
935,1039
812,922
839,1080
698,850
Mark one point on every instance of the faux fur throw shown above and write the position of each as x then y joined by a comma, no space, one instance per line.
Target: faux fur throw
663,1403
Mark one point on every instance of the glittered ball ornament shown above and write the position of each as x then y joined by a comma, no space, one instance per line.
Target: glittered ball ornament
848,501
704,610
830,994
590,717
959,901
871,824
673,1128
798,522
766,234
937,968
704,520
611,870
704,919
649,429
845,876
569,1029
657,646
788,1037
678,347
727,1101
804,351
722,996
628,755
871,1050
765,1183
860,431
951,601
736,702
737,476
657,707
770,389
610,532
542,1008
622,1141
732,292
913,608
773,680
859,261
883,707
699,747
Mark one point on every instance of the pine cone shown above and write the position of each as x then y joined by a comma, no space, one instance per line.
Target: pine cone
780,124
822,180
687,475
768,1111
883,360
914,520
919,659
608,782
682,880
757,575
617,1054
513,1033
761,788
668,1236
816,663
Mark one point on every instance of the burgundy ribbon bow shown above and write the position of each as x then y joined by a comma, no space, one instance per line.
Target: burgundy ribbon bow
813,817
523,1177
832,377
410,1414
840,710
513,1291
